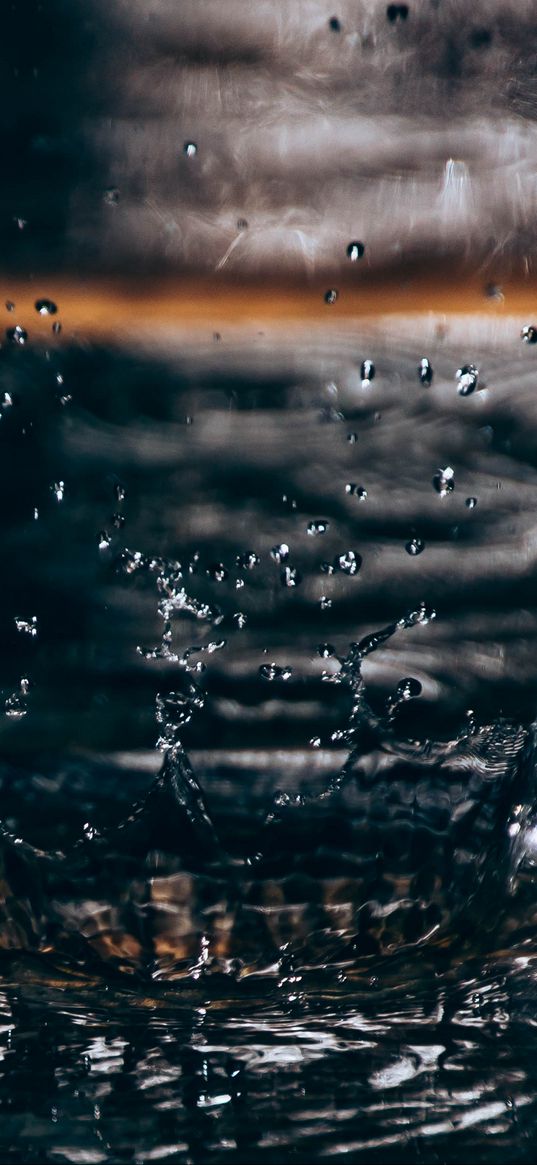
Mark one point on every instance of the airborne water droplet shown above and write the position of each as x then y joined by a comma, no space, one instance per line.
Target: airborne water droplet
27,626
111,195
45,307
17,335
414,547
271,671
471,503
319,526
425,371
10,305
467,377
58,489
190,149
247,561
355,251
326,650
331,295
217,571
104,540
361,493
444,481
367,372
349,562
280,553
290,576
529,334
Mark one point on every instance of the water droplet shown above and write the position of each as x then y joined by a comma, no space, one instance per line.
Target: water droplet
350,487
217,572
27,626
21,222
280,553
45,307
414,546
396,12
325,603
15,708
529,334
290,577
315,742
349,562
10,305
104,540
240,619
425,371
352,438
361,493
190,149
326,650
242,224
247,561
17,335
409,688
367,372
444,481
355,251
334,24
119,491
331,295
319,526
7,401
36,513
270,671
467,377
118,520
289,502
58,489
111,195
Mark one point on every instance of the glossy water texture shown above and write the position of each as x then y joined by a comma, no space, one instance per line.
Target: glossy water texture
313,935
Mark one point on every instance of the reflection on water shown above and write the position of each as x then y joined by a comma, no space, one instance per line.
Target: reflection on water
318,939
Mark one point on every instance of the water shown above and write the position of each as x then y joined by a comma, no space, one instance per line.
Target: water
268,849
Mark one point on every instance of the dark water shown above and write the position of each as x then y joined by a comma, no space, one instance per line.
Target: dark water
318,940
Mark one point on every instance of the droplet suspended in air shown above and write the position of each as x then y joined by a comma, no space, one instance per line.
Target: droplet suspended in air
529,334
26,626
349,562
280,553
409,688
444,481
325,603
467,377
190,149
104,540
17,335
217,571
331,295
319,526
352,438
118,520
247,561
414,547
471,503
326,650
56,327
355,251
58,489
10,306
334,24
119,491
45,307
395,12
271,671
367,371
361,493
240,619
350,487
425,371
290,577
